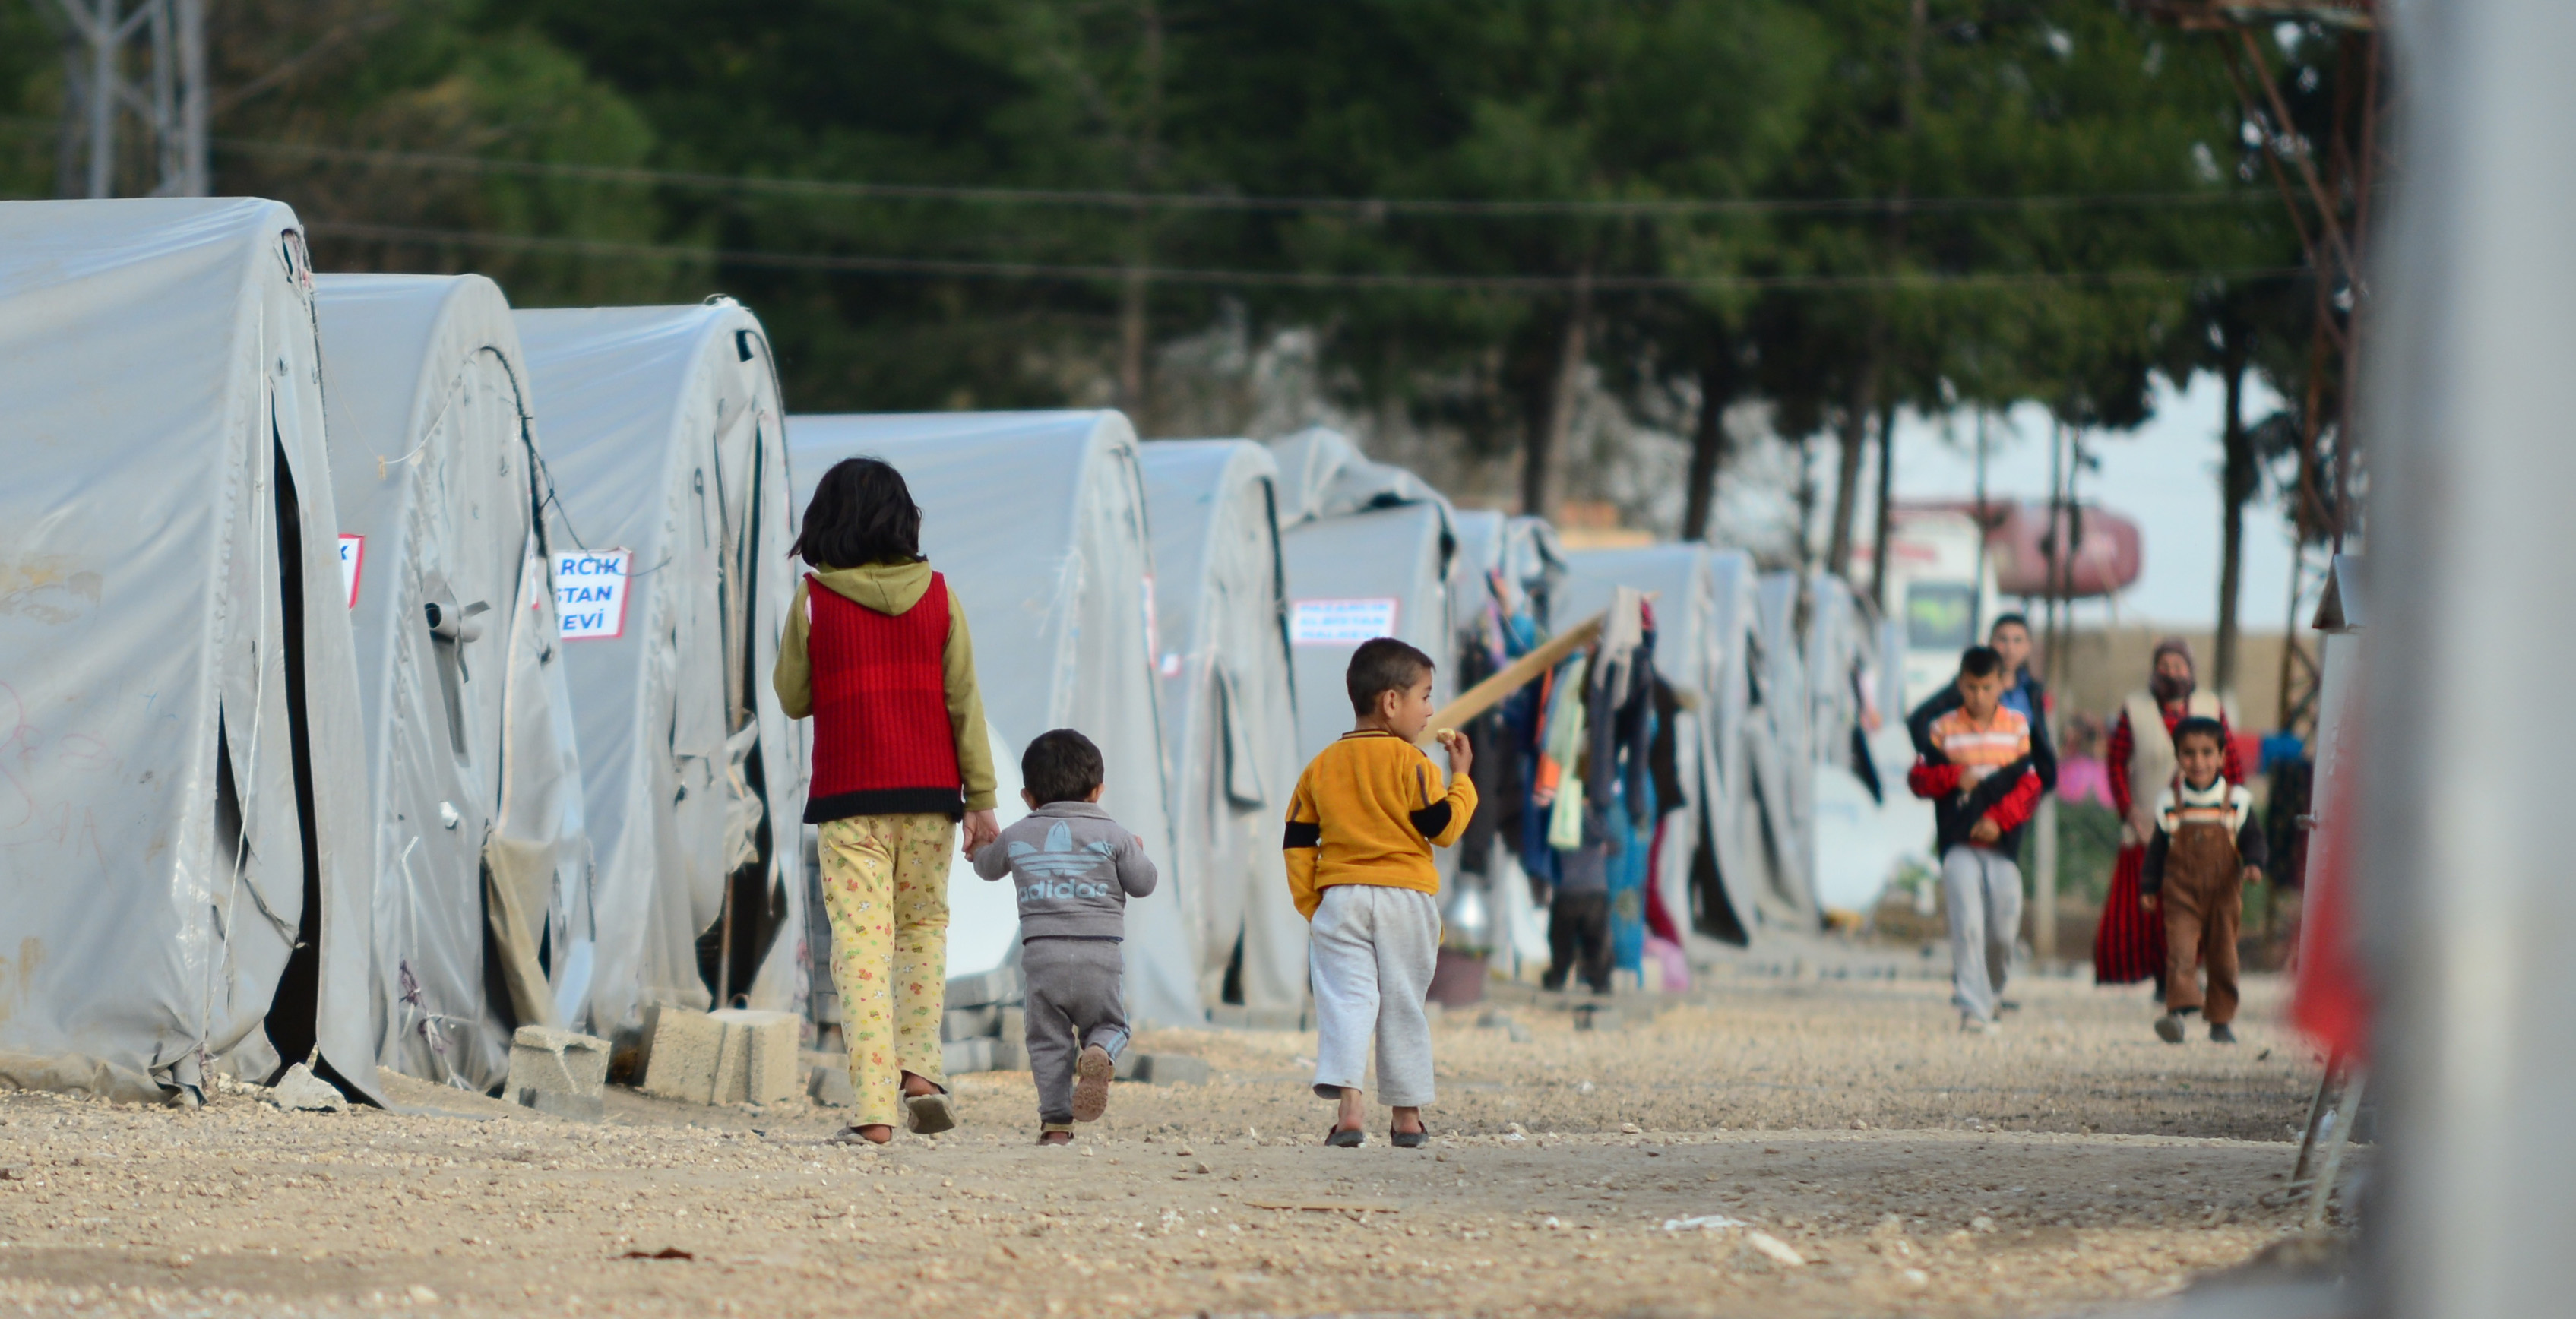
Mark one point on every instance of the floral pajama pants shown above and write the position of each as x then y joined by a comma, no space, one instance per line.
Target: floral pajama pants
885,886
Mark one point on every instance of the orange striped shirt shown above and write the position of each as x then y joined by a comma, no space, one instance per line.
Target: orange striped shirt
1981,749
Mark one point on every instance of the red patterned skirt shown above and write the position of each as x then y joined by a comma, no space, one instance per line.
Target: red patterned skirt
2129,944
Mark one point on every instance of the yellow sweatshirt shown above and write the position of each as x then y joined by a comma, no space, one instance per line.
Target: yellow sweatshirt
1368,811
892,588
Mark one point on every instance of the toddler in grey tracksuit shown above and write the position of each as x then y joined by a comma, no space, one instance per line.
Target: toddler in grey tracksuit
1075,868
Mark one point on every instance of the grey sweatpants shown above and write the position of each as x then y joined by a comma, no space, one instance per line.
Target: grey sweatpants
1984,893
1074,1000
1372,952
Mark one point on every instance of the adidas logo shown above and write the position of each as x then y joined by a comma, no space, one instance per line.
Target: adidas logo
1058,870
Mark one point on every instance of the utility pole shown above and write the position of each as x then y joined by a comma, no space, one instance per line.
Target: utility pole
134,74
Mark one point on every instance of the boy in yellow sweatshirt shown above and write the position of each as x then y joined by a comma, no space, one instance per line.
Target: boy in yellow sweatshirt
1366,814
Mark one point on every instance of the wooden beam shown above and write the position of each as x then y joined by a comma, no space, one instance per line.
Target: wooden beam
1519,673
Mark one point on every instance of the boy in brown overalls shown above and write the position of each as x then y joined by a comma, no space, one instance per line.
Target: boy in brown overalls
2206,849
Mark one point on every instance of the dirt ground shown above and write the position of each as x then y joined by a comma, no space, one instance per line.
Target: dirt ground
2069,1162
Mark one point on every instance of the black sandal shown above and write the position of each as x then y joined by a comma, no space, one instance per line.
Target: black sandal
1409,1140
1345,1138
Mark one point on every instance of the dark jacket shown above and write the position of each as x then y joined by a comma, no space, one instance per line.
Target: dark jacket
2007,796
2043,753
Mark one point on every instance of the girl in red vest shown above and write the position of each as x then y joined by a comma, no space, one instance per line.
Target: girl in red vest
876,652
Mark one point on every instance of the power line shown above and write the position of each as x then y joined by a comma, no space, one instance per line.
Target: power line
1042,271
1364,207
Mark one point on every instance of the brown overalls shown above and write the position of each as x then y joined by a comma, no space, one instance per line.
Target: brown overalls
2204,899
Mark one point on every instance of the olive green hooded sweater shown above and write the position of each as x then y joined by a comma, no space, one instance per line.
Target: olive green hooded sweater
892,588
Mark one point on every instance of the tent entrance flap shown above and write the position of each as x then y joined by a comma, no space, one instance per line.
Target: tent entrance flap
731,951
294,1014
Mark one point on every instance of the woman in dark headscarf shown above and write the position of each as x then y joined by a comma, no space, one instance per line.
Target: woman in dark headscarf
2129,945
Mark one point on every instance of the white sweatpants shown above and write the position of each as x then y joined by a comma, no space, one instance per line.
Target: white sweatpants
1984,892
1372,951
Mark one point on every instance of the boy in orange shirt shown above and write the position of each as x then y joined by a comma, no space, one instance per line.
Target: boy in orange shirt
1977,771
1361,826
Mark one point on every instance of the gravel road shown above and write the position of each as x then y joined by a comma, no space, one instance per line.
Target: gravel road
1674,1166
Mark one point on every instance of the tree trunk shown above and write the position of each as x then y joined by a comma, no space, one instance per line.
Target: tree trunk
1886,493
1132,333
1145,173
1551,428
2236,487
1719,378
1855,439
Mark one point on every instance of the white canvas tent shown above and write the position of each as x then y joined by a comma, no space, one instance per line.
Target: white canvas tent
1740,736
1783,769
1370,552
1524,550
1860,843
1229,714
182,805
474,789
671,518
1038,520
1702,647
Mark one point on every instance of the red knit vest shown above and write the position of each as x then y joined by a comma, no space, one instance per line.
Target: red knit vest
882,741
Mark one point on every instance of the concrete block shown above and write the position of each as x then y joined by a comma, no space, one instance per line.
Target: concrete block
1170,1069
1010,1053
1235,1016
1014,1025
682,1053
1596,1016
557,1062
1002,984
572,1108
967,1023
758,1060
1279,1018
830,1086
963,1056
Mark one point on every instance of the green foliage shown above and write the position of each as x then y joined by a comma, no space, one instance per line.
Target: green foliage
1552,101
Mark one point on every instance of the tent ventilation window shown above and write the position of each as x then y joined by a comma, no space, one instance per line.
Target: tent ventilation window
451,627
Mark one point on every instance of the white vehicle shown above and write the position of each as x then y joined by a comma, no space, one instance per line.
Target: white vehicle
1939,588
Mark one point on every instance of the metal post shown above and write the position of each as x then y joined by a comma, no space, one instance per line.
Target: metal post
103,86
2460,834
161,44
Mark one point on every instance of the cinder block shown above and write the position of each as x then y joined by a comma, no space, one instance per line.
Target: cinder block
1278,1019
758,1060
1010,1053
1002,984
967,1023
574,1108
830,1086
963,1056
1235,1016
1014,1025
682,1053
1596,1016
557,1062
1171,1069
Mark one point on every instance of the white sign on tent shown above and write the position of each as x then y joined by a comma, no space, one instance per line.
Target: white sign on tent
590,593
1341,622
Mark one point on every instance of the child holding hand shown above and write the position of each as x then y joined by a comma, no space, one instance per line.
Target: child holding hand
1361,826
